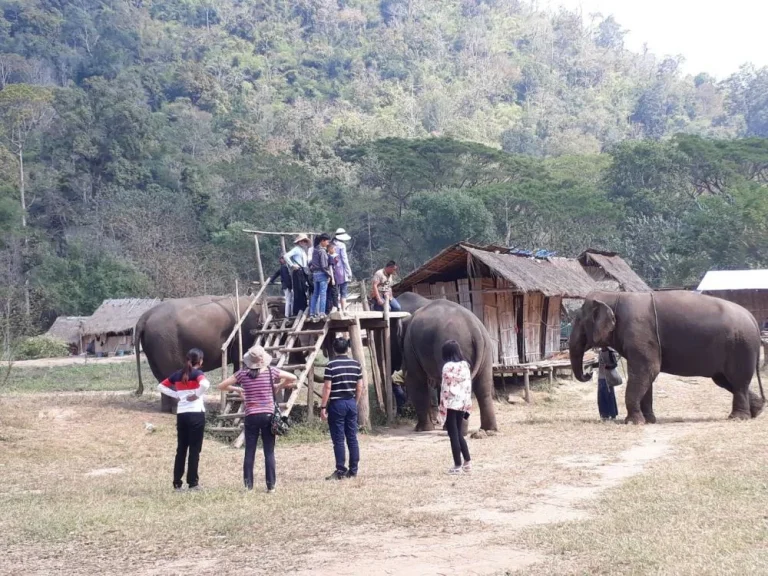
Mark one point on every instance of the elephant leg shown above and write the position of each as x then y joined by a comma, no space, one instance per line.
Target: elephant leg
418,391
646,406
756,404
741,409
483,389
638,385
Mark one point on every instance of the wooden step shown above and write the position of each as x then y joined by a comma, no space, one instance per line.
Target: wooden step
289,332
283,349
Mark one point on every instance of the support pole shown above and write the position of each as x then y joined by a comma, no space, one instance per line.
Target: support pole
390,396
364,296
261,274
373,337
223,400
239,328
526,381
282,245
356,342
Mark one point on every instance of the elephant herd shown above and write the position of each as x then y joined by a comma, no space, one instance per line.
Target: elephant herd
677,332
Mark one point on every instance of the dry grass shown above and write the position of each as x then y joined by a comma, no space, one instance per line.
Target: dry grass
60,516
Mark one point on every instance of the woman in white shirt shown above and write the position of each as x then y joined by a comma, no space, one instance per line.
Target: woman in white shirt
455,403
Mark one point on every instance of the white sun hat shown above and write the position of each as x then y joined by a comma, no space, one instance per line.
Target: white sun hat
342,235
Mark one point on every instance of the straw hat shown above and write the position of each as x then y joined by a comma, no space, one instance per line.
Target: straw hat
257,358
342,235
301,238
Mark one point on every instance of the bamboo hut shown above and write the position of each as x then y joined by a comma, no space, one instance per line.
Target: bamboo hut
67,329
518,298
109,331
610,272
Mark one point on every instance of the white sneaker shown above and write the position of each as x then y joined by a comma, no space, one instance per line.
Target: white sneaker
467,467
454,470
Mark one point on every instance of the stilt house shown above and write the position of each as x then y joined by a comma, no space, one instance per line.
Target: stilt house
518,298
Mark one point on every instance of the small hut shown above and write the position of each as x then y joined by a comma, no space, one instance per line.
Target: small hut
610,272
748,288
109,331
517,297
67,329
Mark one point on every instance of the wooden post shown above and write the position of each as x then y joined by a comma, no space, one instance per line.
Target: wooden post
356,342
373,336
258,258
223,400
526,381
364,296
551,375
282,245
390,396
239,328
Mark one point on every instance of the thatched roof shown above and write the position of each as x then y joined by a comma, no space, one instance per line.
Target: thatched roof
552,277
616,268
67,328
117,316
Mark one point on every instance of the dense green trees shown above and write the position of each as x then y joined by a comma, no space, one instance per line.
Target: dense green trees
139,138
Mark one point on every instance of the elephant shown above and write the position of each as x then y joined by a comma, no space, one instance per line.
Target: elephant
167,331
423,337
677,332
409,302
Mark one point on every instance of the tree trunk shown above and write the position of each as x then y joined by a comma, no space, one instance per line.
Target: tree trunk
22,194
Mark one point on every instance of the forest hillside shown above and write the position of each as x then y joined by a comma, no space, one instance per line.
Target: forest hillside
140,136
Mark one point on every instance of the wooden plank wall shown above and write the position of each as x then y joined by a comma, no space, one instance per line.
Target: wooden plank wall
490,315
507,330
533,303
465,299
553,325
477,301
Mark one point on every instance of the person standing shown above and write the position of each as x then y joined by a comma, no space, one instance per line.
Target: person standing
455,403
381,288
297,259
398,390
284,273
321,274
342,388
606,397
188,386
258,383
332,297
343,271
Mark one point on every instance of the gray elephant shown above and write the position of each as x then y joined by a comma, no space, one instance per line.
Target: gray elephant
167,331
677,332
423,336
409,302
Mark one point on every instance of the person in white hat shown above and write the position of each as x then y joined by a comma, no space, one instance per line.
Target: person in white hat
342,271
258,383
297,258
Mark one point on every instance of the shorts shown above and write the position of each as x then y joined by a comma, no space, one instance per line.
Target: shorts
343,290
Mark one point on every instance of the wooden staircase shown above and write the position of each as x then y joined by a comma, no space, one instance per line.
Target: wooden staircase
280,337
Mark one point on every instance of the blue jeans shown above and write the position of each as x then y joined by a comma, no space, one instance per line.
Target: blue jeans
394,306
342,422
317,304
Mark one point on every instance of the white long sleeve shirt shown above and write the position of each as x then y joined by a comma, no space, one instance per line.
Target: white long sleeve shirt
196,385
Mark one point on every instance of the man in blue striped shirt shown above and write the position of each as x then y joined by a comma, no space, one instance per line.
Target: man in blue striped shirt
342,387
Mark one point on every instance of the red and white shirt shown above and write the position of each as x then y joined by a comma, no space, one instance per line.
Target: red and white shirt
196,385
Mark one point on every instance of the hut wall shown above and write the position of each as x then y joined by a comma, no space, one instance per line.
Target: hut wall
532,312
109,343
553,326
490,315
465,298
505,302
477,299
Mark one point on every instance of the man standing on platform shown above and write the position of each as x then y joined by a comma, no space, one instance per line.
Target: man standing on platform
381,288
342,388
342,270
298,260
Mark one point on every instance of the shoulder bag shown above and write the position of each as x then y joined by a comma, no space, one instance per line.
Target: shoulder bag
279,422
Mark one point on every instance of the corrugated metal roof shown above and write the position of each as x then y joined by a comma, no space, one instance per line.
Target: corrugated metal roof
734,280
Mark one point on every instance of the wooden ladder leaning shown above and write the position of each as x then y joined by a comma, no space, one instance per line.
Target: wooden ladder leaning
279,337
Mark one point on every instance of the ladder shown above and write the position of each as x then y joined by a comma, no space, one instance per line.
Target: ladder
280,337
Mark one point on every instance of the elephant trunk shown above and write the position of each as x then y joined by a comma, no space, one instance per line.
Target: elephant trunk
576,348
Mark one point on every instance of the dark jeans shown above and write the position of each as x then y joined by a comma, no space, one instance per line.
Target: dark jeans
332,299
400,398
606,400
190,428
342,422
299,280
458,445
256,424
394,306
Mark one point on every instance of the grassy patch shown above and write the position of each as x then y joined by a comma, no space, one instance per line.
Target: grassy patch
75,378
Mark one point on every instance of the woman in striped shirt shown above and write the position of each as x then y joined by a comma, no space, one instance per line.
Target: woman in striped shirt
258,383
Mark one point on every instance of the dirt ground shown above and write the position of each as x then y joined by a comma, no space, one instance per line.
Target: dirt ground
86,489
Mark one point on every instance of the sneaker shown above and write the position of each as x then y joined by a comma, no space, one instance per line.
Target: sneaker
195,488
178,488
466,467
337,475
454,470
271,490
350,474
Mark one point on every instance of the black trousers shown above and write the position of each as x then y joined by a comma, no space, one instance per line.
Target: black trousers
259,425
458,444
299,291
190,429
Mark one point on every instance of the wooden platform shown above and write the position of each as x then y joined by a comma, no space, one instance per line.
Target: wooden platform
368,319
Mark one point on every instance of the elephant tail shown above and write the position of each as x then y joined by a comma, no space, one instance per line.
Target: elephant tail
138,336
759,381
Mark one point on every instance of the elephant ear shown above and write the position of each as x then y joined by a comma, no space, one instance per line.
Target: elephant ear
603,323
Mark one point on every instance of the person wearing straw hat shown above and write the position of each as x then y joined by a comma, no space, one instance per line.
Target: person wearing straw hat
342,271
297,258
258,383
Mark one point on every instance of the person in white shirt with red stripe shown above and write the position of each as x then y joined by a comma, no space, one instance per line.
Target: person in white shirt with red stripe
188,386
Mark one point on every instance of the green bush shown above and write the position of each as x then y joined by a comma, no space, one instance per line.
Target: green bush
41,347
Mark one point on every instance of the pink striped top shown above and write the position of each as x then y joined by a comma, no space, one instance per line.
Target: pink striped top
258,392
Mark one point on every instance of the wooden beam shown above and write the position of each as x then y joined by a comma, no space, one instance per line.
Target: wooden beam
356,343
265,233
390,397
240,329
376,370
242,318
527,383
